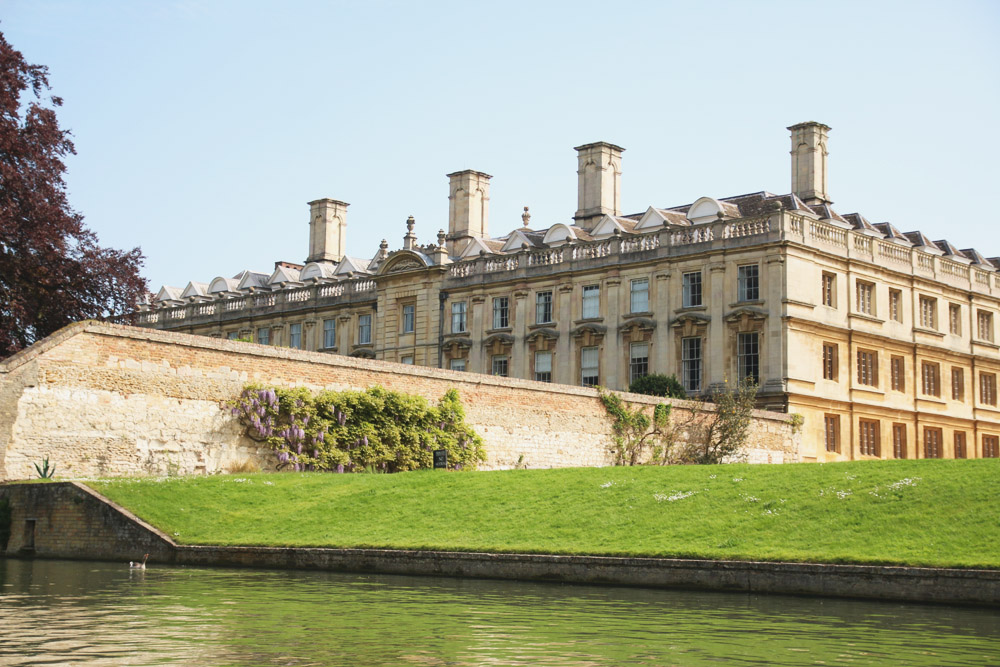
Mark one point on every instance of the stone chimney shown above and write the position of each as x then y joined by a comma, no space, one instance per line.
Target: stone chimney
468,209
599,190
327,230
809,162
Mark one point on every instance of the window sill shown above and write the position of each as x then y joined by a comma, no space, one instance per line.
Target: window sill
748,302
985,343
541,325
867,318
929,332
588,320
803,304
868,389
500,330
643,313
691,309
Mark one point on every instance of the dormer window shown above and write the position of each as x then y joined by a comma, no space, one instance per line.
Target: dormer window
704,210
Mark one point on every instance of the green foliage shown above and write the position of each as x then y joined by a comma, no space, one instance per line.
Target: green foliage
375,430
797,421
658,384
938,513
44,471
725,435
4,523
634,431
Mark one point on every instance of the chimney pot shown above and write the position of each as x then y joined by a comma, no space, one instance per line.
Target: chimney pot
327,230
809,155
599,182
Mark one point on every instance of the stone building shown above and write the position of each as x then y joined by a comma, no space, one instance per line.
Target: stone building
885,342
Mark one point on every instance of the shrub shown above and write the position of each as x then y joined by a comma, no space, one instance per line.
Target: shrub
353,431
246,465
725,437
658,384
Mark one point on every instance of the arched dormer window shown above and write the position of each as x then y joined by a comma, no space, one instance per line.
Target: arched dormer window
559,234
705,209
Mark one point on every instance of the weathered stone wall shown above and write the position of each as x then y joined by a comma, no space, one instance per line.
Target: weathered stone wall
101,399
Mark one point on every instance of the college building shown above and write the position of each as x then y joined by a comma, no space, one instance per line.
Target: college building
884,341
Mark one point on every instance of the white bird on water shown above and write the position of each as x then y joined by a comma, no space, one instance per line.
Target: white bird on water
135,565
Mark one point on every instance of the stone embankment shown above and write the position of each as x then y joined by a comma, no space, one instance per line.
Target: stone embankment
69,520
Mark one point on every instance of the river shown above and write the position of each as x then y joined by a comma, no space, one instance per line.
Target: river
89,613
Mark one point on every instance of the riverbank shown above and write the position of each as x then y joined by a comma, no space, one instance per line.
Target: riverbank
927,513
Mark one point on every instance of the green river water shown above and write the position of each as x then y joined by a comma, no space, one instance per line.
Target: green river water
83,613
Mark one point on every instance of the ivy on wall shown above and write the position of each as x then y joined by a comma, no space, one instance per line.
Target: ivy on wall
373,430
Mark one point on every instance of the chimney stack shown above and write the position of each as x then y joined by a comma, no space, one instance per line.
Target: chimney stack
599,185
327,230
809,162
468,209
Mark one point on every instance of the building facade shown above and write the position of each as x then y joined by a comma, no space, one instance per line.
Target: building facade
885,342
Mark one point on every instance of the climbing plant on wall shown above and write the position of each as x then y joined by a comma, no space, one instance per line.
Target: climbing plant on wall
351,431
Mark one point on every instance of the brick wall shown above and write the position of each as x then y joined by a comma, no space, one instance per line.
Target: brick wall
102,399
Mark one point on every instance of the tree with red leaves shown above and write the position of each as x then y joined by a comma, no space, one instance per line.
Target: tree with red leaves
52,270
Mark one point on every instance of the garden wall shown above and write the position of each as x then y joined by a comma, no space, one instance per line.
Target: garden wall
100,399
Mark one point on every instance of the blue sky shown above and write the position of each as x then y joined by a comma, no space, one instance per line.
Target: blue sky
203,128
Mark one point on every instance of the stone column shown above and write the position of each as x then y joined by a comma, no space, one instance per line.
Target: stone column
715,356
562,360
662,351
477,332
518,351
612,339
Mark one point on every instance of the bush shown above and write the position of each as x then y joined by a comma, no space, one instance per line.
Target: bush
658,384
374,430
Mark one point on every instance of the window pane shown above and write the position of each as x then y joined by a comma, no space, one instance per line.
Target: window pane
458,317
264,336
640,296
691,363
408,317
692,289
589,360
639,361
457,364
748,357
501,313
500,365
329,333
543,366
364,329
748,283
543,307
591,302
295,336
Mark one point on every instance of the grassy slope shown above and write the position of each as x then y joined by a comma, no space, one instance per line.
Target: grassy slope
948,515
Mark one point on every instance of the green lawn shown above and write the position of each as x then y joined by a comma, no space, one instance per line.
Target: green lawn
936,513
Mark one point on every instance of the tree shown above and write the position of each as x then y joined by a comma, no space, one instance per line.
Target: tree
52,269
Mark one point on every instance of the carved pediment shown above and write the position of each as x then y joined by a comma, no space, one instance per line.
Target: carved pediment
690,319
744,316
593,329
642,323
502,338
551,334
460,343
363,353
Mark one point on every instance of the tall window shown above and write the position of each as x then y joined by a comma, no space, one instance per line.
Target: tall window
984,325
868,368
748,356
691,285
501,312
458,317
955,319
408,360
865,293
957,384
828,285
364,329
295,336
409,313
543,307
831,424
991,446
929,373
591,302
500,365
233,335
988,388
932,443
264,336
457,364
640,295
329,334
896,305
928,312
829,361
691,363
960,452
589,370
899,441
543,366
869,436
897,378
748,283
638,365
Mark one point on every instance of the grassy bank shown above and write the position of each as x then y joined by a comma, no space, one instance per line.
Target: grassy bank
934,513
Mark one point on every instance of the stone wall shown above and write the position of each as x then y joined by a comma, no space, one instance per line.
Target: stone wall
101,399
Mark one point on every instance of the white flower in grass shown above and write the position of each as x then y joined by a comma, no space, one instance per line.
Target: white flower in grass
675,495
607,484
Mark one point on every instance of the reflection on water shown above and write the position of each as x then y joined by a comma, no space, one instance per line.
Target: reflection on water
75,613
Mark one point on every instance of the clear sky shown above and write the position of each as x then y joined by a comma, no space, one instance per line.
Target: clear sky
204,127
